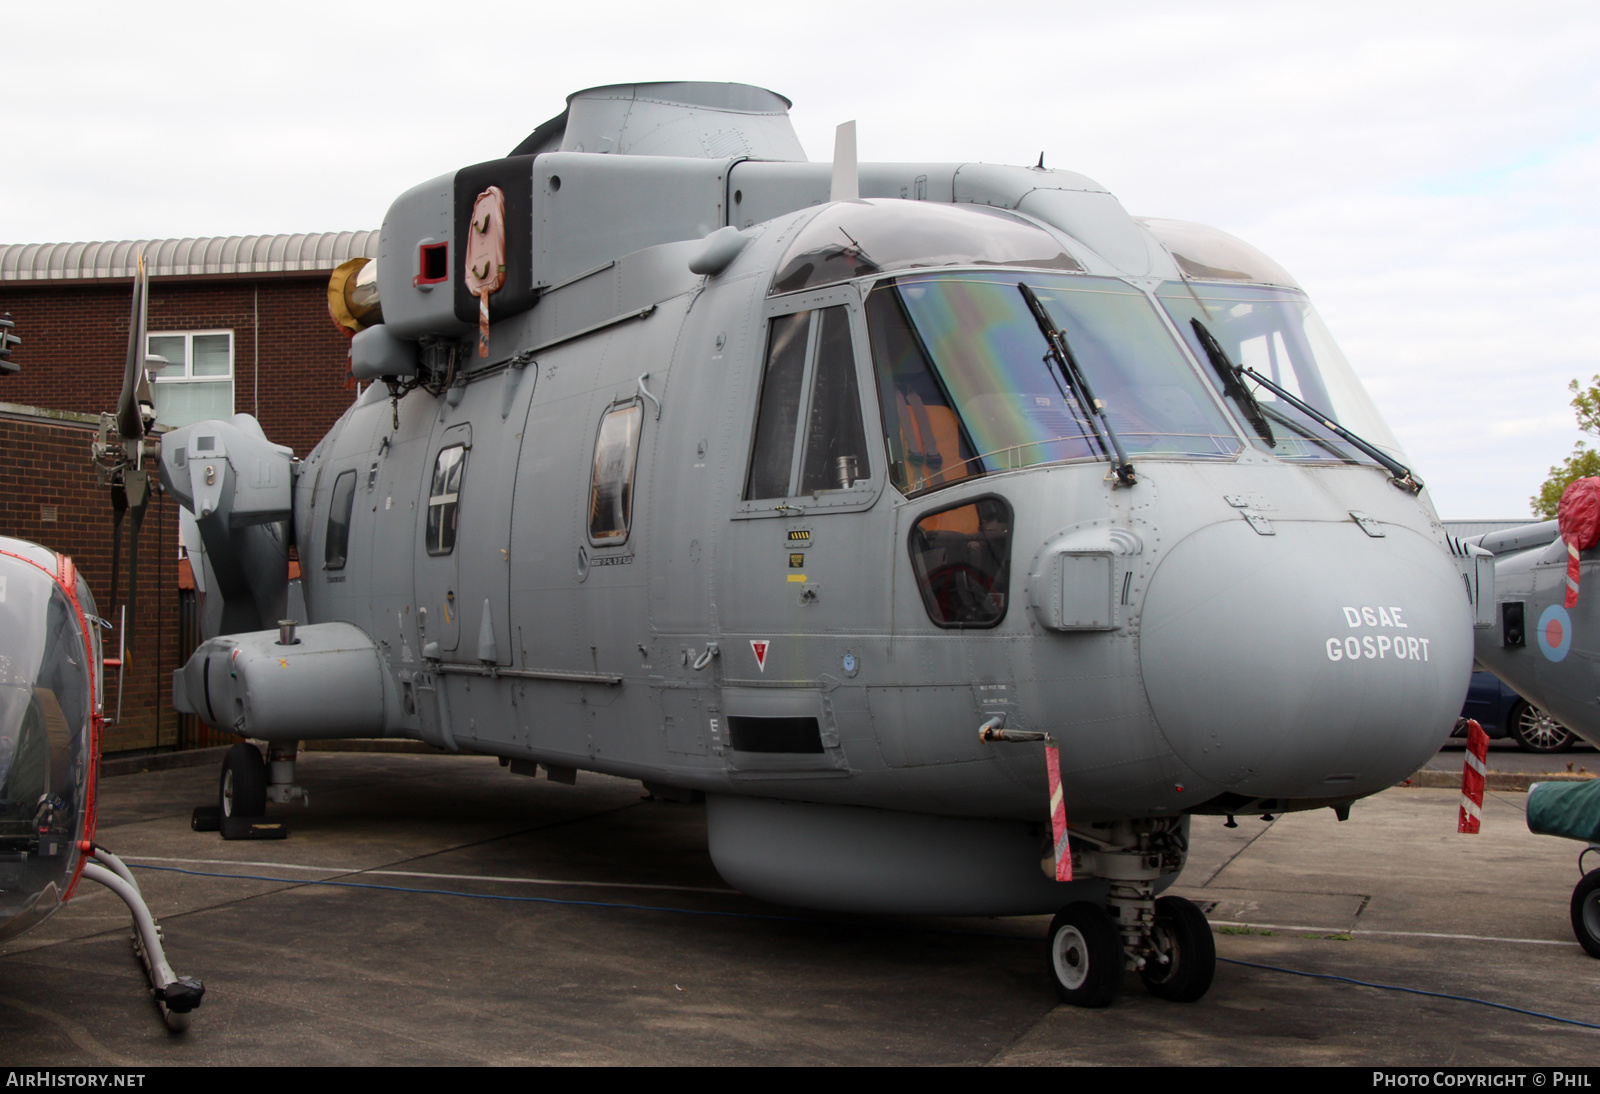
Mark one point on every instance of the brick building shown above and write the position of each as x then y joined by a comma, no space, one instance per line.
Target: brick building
245,323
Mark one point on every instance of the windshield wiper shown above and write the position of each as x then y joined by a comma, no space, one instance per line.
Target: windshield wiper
1399,473
1233,385
1079,385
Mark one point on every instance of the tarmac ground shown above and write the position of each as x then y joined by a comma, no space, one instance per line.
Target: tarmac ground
440,910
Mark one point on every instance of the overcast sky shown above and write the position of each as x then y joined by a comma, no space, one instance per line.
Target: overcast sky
1429,172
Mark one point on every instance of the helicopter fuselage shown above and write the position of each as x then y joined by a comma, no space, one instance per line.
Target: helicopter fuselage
782,508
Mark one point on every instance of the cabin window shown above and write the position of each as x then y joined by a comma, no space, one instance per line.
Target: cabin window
616,449
961,557
337,544
810,437
444,498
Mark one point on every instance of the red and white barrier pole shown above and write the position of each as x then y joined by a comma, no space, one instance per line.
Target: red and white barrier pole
1472,778
995,730
1058,815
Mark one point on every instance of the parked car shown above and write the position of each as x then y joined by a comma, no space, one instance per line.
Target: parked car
1503,713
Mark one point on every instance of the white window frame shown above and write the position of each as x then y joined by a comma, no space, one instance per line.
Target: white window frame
171,375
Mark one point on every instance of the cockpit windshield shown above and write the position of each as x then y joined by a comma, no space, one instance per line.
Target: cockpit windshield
966,386
44,738
1277,333
848,239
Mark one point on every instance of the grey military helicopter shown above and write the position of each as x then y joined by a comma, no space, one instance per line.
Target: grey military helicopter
1538,586
850,497
1547,636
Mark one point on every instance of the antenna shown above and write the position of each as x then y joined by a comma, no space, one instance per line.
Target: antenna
846,179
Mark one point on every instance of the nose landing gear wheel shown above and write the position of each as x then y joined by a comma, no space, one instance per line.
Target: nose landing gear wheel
1086,960
1185,957
1586,912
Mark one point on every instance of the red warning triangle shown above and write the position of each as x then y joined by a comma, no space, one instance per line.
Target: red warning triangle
758,646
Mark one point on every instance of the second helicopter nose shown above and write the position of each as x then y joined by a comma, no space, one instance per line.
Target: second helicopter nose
1316,662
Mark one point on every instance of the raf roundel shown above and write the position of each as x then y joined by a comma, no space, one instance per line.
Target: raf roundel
1555,632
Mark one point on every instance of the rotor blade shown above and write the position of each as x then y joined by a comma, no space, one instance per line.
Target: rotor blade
129,423
138,500
119,509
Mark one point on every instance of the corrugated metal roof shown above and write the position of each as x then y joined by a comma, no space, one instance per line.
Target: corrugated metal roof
238,256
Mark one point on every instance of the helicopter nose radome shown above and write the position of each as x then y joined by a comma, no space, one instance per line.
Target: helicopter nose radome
1317,662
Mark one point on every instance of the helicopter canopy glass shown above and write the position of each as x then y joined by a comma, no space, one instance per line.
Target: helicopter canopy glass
45,738
966,388
1278,333
854,238
1211,254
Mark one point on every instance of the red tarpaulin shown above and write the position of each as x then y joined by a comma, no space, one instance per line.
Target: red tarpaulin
1579,517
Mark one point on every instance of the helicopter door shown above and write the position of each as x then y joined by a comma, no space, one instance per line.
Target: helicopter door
438,567
612,599
802,561
341,531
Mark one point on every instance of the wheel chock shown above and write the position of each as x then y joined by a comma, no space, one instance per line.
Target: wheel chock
253,828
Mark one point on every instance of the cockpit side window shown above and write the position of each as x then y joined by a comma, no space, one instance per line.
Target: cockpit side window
444,499
961,556
810,436
835,441
336,545
788,339
616,451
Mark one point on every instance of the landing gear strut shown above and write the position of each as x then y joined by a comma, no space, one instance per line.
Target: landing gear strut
1167,941
281,787
176,996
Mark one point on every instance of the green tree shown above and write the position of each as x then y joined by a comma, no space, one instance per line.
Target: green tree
1584,461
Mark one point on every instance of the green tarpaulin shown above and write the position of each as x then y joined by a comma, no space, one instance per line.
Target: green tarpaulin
1565,809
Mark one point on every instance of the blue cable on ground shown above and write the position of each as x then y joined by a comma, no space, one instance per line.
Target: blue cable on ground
804,919
1412,991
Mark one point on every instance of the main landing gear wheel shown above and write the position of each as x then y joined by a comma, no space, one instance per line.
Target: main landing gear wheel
1184,957
1086,959
1586,912
243,792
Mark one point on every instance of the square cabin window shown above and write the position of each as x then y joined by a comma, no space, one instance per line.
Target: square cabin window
336,545
197,382
616,449
444,499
